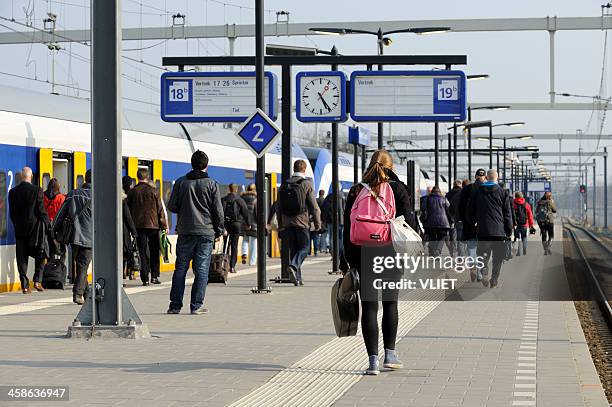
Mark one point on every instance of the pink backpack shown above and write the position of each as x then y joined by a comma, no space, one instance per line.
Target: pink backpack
371,216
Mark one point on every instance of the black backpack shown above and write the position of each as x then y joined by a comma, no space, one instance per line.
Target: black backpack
292,198
230,211
520,214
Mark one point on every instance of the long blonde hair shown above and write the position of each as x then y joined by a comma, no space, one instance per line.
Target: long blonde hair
375,173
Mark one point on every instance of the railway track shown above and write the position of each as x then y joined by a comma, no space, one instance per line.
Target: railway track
588,264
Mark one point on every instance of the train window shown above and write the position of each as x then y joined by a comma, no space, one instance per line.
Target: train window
425,174
45,180
79,181
166,197
3,205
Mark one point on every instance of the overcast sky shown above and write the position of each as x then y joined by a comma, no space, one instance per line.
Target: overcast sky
517,62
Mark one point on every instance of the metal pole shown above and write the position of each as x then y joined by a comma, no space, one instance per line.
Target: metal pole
455,150
363,159
490,145
380,68
504,163
594,192
512,175
114,310
586,195
261,162
285,156
450,167
552,66
436,153
605,157
335,188
106,155
355,163
497,154
469,133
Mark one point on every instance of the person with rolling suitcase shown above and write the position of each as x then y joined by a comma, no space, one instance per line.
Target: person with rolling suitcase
196,200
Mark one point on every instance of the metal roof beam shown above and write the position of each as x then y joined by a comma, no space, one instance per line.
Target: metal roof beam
539,136
283,29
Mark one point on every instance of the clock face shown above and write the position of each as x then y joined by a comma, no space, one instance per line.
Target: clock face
321,96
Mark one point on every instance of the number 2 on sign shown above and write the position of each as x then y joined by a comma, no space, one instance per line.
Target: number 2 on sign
260,129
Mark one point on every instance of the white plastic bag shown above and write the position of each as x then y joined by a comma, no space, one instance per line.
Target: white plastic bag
405,239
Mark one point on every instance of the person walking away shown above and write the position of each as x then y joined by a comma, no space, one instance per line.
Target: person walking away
296,205
324,235
469,230
249,237
129,233
237,219
489,209
523,220
437,220
77,207
545,216
378,176
326,218
26,210
452,242
149,218
455,211
53,200
196,200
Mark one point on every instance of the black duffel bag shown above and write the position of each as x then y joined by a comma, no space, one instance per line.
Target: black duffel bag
133,257
345,304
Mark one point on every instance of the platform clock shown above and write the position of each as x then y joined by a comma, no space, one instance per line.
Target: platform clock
321,96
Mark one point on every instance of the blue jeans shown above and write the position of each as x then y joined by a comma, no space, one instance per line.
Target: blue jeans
249,244
199,249
323,243
298,243
315,237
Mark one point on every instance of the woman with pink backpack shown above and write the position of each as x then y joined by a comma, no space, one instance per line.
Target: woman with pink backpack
370,206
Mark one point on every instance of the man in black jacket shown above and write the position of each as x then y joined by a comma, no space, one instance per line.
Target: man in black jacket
237,219
453,196
469,231
490,212
196,200
26,210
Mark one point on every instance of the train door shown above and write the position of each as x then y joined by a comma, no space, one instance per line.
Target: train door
272,188
67,167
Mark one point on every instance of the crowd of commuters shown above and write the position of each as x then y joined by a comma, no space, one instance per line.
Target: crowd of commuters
473,219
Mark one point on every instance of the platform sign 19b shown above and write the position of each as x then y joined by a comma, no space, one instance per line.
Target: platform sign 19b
214,96
408,96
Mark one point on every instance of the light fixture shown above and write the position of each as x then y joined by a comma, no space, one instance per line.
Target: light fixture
431,30
329,31
477,77
525,138
491,107
532,148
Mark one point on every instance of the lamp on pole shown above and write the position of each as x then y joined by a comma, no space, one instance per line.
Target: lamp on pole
381,41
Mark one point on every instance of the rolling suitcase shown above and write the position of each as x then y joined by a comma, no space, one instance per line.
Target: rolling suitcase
219,267
54,275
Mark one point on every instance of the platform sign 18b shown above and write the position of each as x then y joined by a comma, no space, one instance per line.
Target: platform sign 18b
214,96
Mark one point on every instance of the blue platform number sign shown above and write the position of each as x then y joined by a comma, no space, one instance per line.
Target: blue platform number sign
180,97
446,98
258,133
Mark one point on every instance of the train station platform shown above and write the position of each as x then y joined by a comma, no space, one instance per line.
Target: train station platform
504,348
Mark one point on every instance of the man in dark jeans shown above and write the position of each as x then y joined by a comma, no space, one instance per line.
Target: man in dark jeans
297,205
196,200
149,218
78,207
237,219
490,212
27,209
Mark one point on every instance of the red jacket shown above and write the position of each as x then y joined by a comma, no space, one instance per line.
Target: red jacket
521,201
52,206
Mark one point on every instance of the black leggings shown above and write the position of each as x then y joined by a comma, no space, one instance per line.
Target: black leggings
369,325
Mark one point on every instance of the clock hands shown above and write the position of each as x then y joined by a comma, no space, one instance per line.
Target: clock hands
324,102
